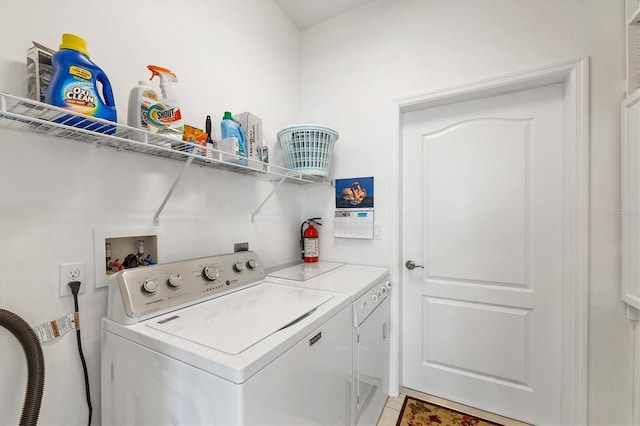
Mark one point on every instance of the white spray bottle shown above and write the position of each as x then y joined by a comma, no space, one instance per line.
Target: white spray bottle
165,116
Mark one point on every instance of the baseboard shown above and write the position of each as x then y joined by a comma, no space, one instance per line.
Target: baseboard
636,375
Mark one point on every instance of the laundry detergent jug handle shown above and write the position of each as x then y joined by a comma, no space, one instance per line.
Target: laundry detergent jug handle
242,135
107,91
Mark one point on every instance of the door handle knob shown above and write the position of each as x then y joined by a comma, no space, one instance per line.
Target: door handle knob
411,265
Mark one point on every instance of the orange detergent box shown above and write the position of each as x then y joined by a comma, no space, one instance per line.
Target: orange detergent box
195,136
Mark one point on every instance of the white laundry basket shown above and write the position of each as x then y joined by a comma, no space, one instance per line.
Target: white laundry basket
307,148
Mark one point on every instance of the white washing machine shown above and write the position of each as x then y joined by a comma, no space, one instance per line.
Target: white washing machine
368,288
207,341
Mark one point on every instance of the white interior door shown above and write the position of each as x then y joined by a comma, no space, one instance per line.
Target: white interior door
483,213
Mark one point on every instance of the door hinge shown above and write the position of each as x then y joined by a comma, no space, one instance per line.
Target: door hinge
385,330
358,338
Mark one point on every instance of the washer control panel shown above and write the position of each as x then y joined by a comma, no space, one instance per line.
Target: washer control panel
370,300
159,288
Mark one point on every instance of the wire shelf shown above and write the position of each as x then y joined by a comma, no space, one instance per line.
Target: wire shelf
37,117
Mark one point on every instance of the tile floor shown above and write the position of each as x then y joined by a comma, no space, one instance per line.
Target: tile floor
391,412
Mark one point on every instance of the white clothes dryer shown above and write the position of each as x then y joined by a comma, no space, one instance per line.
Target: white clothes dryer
369,288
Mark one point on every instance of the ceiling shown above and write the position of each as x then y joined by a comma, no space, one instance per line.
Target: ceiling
306,13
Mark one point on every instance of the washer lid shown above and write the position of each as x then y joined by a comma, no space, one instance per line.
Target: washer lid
235,322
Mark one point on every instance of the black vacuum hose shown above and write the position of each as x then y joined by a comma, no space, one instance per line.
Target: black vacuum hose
35,364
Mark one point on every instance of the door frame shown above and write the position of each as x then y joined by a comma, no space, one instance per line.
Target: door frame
574,76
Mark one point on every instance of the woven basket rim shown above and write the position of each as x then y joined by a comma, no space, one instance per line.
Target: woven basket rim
315,127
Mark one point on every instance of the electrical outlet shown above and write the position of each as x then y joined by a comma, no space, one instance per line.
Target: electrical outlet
72,272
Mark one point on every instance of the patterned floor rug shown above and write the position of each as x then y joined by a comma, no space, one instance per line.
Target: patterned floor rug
416,412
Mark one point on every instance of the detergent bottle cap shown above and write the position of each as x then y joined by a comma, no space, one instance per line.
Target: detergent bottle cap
227,116
73,42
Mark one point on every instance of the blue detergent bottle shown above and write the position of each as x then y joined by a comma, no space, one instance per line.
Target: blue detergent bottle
75,85
231,128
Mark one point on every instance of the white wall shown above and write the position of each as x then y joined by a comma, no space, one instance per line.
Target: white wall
228,55
244,55
357,63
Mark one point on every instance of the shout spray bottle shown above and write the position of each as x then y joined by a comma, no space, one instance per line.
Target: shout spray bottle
165,116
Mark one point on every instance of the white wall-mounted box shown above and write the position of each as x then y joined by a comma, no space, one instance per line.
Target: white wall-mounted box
123,241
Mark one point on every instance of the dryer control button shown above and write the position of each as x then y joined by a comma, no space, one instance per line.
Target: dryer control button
374,298
211,273
175,280
150,286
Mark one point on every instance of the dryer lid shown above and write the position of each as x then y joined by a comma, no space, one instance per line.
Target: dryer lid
235,322
306,271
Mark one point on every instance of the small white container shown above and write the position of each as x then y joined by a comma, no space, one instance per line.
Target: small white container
141,98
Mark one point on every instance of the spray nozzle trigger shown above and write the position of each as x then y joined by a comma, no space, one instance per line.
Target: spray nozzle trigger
163,73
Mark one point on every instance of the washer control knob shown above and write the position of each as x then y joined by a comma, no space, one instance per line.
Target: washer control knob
175,280
150,285
379,293
252,263
238,266
388,285
374,298
383,290
211,273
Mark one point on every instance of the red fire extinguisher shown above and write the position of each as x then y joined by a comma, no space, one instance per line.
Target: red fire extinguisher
309,241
